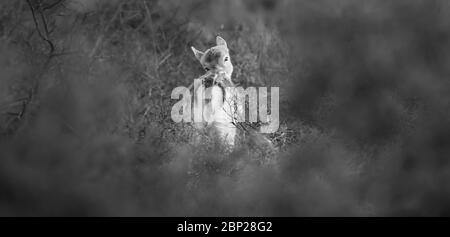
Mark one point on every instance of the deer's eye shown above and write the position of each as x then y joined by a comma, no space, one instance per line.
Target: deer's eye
206,69
226,59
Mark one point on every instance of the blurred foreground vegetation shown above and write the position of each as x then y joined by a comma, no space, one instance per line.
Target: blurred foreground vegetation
85,125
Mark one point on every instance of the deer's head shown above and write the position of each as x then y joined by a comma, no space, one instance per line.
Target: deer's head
215,60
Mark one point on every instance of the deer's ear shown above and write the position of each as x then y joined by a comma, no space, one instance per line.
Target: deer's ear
198,54
221,41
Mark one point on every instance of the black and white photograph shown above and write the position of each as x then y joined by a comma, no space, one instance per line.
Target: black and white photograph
224,108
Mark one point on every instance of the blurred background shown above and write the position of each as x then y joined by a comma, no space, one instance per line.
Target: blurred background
85,126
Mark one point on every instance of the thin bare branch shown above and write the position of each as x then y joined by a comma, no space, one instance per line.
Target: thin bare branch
42,36
50,6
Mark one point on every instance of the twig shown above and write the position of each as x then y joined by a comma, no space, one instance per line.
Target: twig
44,22
50,6
164,60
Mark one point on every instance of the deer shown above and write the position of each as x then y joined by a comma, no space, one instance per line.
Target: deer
221,109
218,107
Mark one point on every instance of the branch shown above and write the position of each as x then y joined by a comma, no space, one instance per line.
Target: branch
50,6
44,22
